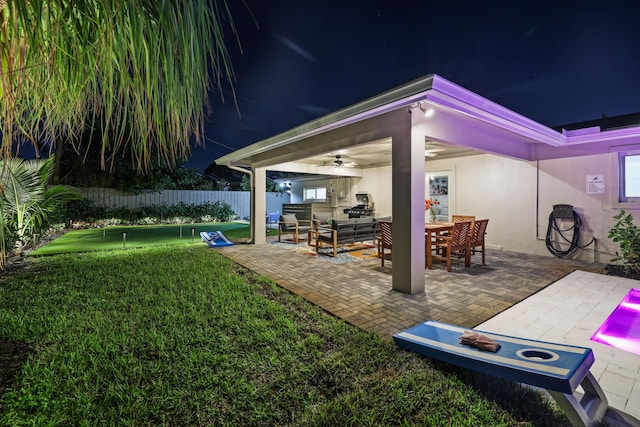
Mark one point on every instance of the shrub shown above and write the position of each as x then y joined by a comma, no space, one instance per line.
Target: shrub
627,234
85,211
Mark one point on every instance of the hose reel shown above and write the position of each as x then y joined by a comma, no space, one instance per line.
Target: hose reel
563,213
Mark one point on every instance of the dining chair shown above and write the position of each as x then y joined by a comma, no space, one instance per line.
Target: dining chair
386,241
454,244
477,236
458,218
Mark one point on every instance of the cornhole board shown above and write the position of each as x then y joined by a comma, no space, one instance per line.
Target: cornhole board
215,239
558,368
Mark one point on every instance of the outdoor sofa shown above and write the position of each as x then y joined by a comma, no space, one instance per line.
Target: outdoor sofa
344,231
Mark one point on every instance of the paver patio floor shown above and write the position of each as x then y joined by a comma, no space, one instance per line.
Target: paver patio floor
360,292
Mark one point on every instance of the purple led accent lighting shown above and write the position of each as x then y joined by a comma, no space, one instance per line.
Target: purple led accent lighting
622,328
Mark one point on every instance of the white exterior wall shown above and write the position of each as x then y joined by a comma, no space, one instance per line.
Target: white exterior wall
341,194
565,179
504,190
377,182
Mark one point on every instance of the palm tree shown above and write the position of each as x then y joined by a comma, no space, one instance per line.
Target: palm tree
26,200
138,72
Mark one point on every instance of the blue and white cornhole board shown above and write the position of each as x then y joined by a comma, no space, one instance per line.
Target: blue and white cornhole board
559,368
215,239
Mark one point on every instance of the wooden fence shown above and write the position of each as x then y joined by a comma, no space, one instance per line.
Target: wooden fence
238,200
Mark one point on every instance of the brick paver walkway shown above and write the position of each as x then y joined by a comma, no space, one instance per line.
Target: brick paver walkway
360,292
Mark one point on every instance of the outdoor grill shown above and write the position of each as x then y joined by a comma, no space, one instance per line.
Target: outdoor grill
363,209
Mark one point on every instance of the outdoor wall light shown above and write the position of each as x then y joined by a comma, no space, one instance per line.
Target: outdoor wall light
427,111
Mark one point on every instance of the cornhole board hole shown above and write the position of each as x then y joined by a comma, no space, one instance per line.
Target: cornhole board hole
558,368
215,239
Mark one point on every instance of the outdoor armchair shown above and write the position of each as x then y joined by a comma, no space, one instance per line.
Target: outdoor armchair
289,224
320,220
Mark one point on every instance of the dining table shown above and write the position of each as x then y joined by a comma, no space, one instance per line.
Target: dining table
431,230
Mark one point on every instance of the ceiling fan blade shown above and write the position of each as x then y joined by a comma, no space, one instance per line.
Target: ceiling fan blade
433,152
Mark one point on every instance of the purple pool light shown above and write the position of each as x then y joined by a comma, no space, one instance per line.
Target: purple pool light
622,328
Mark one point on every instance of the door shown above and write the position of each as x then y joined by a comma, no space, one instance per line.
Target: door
439,186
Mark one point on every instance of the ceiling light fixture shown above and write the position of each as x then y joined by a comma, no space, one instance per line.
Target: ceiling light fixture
337,163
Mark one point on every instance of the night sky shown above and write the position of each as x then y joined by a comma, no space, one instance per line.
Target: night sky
557,63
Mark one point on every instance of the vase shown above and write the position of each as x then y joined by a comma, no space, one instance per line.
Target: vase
433,217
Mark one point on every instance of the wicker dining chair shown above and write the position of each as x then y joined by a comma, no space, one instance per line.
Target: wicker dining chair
455,244
386,241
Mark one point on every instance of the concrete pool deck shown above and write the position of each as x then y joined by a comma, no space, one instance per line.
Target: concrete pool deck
569,311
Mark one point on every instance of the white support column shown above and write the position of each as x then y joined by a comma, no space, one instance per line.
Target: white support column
259,205
408,168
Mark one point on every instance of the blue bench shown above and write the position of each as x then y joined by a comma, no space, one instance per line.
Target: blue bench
558,368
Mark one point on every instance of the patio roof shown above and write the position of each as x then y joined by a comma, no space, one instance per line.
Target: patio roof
461,118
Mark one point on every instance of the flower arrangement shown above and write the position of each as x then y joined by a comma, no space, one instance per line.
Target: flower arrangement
433,206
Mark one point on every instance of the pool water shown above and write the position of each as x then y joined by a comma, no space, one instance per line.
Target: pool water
622,328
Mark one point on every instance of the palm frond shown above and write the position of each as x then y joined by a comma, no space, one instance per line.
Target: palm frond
142,70
26,200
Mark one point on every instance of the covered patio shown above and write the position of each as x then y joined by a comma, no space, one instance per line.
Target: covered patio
431,109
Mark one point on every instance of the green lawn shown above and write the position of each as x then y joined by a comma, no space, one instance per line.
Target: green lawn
111,238
181,336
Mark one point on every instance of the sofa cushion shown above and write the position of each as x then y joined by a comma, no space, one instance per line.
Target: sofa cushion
323,217
362,220
364,227
342,224
288,222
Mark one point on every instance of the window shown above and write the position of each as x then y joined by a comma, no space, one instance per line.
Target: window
629,177
315,194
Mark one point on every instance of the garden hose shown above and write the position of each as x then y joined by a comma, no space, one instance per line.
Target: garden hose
573,243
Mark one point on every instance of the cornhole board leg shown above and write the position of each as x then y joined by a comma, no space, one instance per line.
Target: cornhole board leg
557,368
588,409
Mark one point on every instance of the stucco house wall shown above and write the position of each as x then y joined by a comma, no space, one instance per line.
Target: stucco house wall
340,194
518,196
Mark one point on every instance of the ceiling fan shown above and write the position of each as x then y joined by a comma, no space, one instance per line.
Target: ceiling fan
339,163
